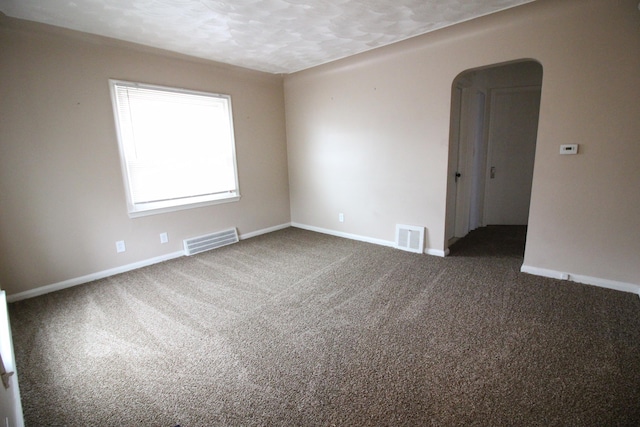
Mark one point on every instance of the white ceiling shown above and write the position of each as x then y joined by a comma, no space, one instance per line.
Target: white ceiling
277,36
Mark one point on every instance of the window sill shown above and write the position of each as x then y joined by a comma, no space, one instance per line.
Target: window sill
166,207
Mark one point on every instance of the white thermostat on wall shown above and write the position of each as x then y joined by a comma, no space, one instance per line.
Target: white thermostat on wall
569,149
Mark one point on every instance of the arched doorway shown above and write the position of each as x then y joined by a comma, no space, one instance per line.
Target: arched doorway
493,131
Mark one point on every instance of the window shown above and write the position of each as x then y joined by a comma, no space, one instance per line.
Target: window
176,147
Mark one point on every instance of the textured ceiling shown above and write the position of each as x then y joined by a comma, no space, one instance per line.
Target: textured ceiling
277,36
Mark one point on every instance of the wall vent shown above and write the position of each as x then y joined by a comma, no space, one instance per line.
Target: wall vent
410,238
199,244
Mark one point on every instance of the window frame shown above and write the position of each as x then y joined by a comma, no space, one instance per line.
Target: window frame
158,207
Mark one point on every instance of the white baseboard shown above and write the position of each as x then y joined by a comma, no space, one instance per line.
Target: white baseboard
437,252
117,270
579,278
345,235
264,231
91,277
365,239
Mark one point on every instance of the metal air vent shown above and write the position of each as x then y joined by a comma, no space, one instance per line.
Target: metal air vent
199,244
410,238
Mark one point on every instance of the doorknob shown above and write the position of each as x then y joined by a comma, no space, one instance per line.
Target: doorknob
492,172
458,175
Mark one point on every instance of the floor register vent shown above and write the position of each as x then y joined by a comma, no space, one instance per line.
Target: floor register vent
199,244
410,238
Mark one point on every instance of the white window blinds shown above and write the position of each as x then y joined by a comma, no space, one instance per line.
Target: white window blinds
177,146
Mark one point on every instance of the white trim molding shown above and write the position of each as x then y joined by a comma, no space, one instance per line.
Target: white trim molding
360,238
122,269
91,277
345,235
437,252
264,231
579,278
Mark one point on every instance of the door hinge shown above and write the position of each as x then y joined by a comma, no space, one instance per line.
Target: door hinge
4,374
5,378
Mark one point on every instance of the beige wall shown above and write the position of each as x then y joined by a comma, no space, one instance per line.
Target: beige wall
61,191
368,135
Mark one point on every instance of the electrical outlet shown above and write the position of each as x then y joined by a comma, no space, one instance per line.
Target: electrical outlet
341,217
569,149
164,237
120,247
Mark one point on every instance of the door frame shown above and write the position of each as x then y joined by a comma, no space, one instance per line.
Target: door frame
476,189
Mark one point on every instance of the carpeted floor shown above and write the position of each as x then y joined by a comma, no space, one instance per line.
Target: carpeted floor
299,328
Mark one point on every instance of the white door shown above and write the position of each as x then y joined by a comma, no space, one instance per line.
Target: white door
10,406
478,158
454,149
466,163
513,128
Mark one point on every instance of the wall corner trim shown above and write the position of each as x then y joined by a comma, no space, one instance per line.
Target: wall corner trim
437,252
579,278
117,270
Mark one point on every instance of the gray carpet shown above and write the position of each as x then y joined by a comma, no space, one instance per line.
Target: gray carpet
299,328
